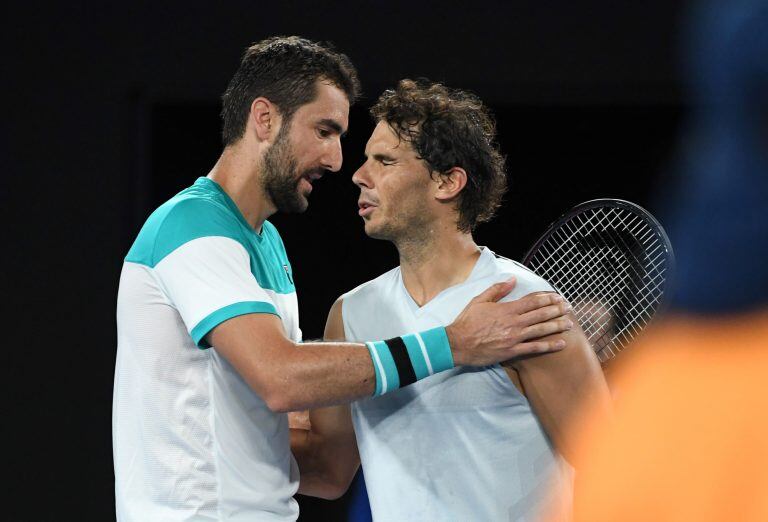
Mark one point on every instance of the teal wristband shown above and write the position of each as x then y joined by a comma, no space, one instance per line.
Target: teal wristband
404,360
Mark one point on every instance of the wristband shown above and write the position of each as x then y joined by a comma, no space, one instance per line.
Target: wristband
401,361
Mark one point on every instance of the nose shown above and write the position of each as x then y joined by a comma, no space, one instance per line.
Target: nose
361,178
333,156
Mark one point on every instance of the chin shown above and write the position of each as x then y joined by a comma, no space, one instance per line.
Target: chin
376,232
297,206
370,230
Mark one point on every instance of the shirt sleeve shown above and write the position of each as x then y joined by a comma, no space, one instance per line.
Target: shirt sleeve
197,254
209,280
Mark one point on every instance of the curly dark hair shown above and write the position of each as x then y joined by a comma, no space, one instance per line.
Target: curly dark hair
284,70
450,128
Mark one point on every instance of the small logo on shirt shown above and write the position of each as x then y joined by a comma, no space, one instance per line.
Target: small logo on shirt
288,273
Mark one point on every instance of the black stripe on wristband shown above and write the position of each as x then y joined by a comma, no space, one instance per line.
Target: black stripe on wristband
402,361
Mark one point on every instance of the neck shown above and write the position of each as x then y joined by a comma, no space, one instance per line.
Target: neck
238,174
443,258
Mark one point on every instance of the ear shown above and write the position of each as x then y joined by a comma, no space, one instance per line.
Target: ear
450,184
264,119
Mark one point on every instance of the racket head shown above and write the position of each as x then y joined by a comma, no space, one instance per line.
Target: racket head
612,260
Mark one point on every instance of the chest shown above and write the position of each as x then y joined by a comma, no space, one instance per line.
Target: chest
390,312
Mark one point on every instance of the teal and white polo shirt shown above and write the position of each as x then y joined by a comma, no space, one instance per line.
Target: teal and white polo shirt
191,440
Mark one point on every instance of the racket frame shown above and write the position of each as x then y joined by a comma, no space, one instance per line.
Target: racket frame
635,209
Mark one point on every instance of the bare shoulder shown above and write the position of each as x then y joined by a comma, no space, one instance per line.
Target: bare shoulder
577,355
334,325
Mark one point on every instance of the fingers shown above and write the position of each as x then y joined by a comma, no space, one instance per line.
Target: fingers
495,292
536,347
548,328
533,301
541,315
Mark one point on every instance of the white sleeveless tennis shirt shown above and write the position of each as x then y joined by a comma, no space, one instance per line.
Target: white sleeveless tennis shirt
463,444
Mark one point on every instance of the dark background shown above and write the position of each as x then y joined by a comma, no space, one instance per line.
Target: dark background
111,109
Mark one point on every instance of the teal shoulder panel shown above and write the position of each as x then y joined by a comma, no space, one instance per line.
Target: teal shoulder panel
183,218
204,210
269,261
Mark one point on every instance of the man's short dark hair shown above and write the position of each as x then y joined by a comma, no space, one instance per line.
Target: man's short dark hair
283,69
449,128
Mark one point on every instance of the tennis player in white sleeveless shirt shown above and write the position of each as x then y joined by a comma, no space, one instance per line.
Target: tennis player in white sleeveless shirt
459,445
463,444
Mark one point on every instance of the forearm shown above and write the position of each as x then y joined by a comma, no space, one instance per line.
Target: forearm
327,467
316,479
324,444
308,376
291,376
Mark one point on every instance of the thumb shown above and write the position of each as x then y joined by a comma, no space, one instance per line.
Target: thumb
495,292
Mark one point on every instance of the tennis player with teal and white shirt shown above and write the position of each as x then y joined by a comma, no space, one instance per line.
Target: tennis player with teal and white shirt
182,422
208,356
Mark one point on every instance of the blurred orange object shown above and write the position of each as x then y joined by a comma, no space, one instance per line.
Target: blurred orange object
689,441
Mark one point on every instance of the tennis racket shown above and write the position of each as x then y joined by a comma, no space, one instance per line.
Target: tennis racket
613,262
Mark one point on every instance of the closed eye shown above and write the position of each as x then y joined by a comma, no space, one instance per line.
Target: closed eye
384,159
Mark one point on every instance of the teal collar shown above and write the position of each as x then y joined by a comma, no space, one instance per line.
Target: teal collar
209,184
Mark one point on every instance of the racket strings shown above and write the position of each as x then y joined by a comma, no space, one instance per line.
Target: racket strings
592,269
568,239
588,280
614,300
610,264
596,291
614,303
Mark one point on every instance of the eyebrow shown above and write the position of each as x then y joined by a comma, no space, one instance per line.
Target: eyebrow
333,124
383,157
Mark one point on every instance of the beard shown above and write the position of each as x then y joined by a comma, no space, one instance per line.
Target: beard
408,225
280,176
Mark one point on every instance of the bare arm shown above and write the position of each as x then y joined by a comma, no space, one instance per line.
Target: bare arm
291,376
323,441
326,449
558,385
